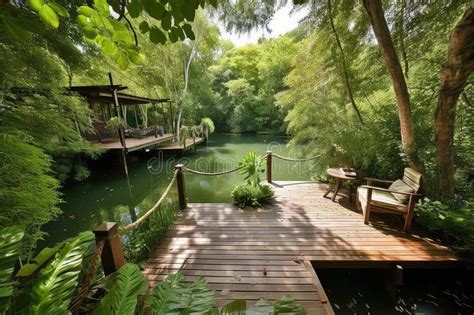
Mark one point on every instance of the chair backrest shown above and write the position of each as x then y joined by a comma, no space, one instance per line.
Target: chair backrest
412,178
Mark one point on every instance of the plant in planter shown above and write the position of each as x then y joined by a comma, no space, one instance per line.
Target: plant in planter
252,192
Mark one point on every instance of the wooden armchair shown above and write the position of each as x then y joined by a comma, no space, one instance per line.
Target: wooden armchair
399,198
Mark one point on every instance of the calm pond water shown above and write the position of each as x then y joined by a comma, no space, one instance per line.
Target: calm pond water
425,292
107,195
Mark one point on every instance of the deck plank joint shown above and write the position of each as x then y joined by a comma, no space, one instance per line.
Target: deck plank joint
267,252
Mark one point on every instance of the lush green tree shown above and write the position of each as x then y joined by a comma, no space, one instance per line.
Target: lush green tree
28,192
247,79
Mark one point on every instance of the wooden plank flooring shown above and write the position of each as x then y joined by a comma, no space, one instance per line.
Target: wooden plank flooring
135,143
265,252
190,143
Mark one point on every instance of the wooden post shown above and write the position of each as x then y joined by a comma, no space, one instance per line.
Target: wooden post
181,188
269,166
112,256
119,112
398,275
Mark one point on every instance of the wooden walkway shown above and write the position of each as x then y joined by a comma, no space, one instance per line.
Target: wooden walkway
266,252
180,147
134,144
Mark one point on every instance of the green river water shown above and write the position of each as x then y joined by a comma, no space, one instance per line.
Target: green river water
107,196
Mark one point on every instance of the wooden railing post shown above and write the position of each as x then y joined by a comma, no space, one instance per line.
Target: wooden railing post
181,188
269,166
112,255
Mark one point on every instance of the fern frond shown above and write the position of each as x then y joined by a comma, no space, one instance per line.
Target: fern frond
10,244
54,287
124,287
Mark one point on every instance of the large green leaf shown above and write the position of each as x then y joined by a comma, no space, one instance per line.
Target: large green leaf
85,10
35,5
287,305
173,297
55,284
48,16
124,287
108,46
144,27
166,21
102,6
44,256
10,244
59,9
237,307
134,8
284,305
157,36
122,60
14,29
154,9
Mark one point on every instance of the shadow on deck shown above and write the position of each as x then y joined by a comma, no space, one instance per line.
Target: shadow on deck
253,253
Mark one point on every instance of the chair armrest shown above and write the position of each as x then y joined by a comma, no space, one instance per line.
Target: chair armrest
389,190
370,179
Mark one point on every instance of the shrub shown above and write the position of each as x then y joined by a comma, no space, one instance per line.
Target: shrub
453,223
140,242
252,168
250,195
209,124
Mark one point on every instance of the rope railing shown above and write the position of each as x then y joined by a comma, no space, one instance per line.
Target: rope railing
112,255
87,282
295,160
190,170
135,224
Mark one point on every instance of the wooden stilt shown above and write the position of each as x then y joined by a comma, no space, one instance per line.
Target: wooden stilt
398,275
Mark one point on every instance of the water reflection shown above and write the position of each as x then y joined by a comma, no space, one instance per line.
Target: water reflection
109,195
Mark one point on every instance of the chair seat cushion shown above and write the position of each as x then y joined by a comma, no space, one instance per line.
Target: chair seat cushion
401,186
382,199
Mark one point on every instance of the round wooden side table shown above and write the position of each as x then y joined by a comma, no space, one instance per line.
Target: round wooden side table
339,175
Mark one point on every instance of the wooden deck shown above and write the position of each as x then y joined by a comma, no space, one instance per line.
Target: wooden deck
180,147
134,144
266,252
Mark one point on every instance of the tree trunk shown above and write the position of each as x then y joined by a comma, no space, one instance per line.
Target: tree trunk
454,77
344,66
187,66
387,48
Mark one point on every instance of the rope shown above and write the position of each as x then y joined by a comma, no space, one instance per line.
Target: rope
135,224
212,174
86,284
295,160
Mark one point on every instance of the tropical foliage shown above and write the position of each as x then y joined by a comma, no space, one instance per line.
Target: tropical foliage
10,245
123,288
252,193
252,168
48,285
453,223
253,196
140,242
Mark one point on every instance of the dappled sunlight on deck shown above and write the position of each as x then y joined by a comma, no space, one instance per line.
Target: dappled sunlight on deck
256,253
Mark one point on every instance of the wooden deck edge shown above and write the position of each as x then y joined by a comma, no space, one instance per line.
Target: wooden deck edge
324,298
379,264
